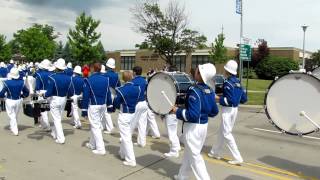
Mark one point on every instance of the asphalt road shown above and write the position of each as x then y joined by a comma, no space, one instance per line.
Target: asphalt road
33,155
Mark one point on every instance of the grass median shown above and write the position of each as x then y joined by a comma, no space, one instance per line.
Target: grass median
256,90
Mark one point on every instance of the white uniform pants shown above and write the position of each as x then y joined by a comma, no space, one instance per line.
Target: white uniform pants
152,123
140,121
194,137
95,115
44,118
229,115
126,146
107,122
172,128
57,105
13,108
75,110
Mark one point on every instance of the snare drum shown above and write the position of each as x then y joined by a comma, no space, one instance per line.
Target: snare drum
175,86
28,109
287,97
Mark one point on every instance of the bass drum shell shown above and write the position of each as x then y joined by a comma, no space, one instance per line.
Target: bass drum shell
287,97
316,72
174,84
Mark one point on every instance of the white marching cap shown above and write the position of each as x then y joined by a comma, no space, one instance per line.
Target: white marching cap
77,70
111,63
45,64
231,67
69,65
14,73
60,64
207,72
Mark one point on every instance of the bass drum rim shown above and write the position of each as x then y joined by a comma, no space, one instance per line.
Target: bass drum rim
268,114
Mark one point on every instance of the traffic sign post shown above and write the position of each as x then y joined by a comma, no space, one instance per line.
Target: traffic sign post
245,55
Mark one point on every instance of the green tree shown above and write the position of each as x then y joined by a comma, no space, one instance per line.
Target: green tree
218,53
315,58
166,32
67,54
35,43
59,51
5,50
101,51
84,39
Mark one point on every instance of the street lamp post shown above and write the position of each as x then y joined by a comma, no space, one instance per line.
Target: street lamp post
304,28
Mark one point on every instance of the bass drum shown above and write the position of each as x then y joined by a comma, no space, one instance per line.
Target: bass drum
175,86
287,97
316,72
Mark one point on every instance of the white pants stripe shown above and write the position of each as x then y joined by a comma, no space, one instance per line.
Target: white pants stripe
195,136
140,122
57,105
13,108
95,115
229,115
126,146
172,128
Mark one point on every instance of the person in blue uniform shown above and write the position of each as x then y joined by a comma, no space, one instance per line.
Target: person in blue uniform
14,89
107,122
200,105
96,98
42,81
3,70
69,70
59,87
127,97
78,83
10,65
233,95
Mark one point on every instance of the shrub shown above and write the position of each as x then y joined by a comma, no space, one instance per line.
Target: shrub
274,66
252,74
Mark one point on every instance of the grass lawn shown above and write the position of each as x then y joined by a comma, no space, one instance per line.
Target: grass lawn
256,98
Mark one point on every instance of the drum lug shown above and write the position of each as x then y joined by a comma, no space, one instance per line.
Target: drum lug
300,135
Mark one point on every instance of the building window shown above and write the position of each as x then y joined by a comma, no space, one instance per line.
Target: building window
180,63
199,59
127,62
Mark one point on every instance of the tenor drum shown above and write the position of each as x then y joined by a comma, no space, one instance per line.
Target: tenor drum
287,97
175,86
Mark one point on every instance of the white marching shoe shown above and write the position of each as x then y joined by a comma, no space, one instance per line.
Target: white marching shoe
235,162
126,163
171,154
99,152
90,146
212,155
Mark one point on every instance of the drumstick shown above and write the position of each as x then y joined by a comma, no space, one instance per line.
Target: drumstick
165,95
302,113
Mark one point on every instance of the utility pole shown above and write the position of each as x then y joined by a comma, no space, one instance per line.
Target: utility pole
304,28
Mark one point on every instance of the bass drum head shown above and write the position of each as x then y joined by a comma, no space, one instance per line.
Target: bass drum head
287,97
157,102
316,72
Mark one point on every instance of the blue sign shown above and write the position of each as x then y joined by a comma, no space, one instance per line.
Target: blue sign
239,7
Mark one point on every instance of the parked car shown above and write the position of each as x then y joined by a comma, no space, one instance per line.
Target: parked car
219,80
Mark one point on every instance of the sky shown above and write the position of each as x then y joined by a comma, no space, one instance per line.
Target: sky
277,21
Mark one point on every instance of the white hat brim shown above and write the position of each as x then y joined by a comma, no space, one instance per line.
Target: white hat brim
230,71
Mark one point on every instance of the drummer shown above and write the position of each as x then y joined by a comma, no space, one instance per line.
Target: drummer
200,105
13,88
232,96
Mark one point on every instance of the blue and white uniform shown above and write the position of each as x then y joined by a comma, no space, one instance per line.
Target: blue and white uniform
10,66
233,95
3,72
69,71
200,105
12,90
140,118
96,97
114,81
59,87
127,97
41,86
78,84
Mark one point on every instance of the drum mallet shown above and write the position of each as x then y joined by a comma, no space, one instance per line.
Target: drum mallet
168,100
302,113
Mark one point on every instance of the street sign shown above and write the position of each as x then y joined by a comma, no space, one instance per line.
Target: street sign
245,52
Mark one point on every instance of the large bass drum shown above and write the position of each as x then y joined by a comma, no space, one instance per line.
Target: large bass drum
287,97
316,72
175,86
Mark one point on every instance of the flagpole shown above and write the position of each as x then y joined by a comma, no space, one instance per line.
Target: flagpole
241,35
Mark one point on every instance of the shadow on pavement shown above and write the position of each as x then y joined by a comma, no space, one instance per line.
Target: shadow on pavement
40,134
20,127
288,165
161,147
235,177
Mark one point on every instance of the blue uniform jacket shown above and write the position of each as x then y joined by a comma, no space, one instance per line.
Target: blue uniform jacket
233,94
127,97
78,84
42,79
96,91
3,72
10,66
200,104
69,71
13,89
59,84
113,79
22,74
142,83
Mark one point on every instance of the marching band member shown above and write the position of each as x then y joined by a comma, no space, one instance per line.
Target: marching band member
3,70
59,87
42,79
69,70
10,65
114,82
233,95
96,97
78,83
13,88
126,100
140,117
200,105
